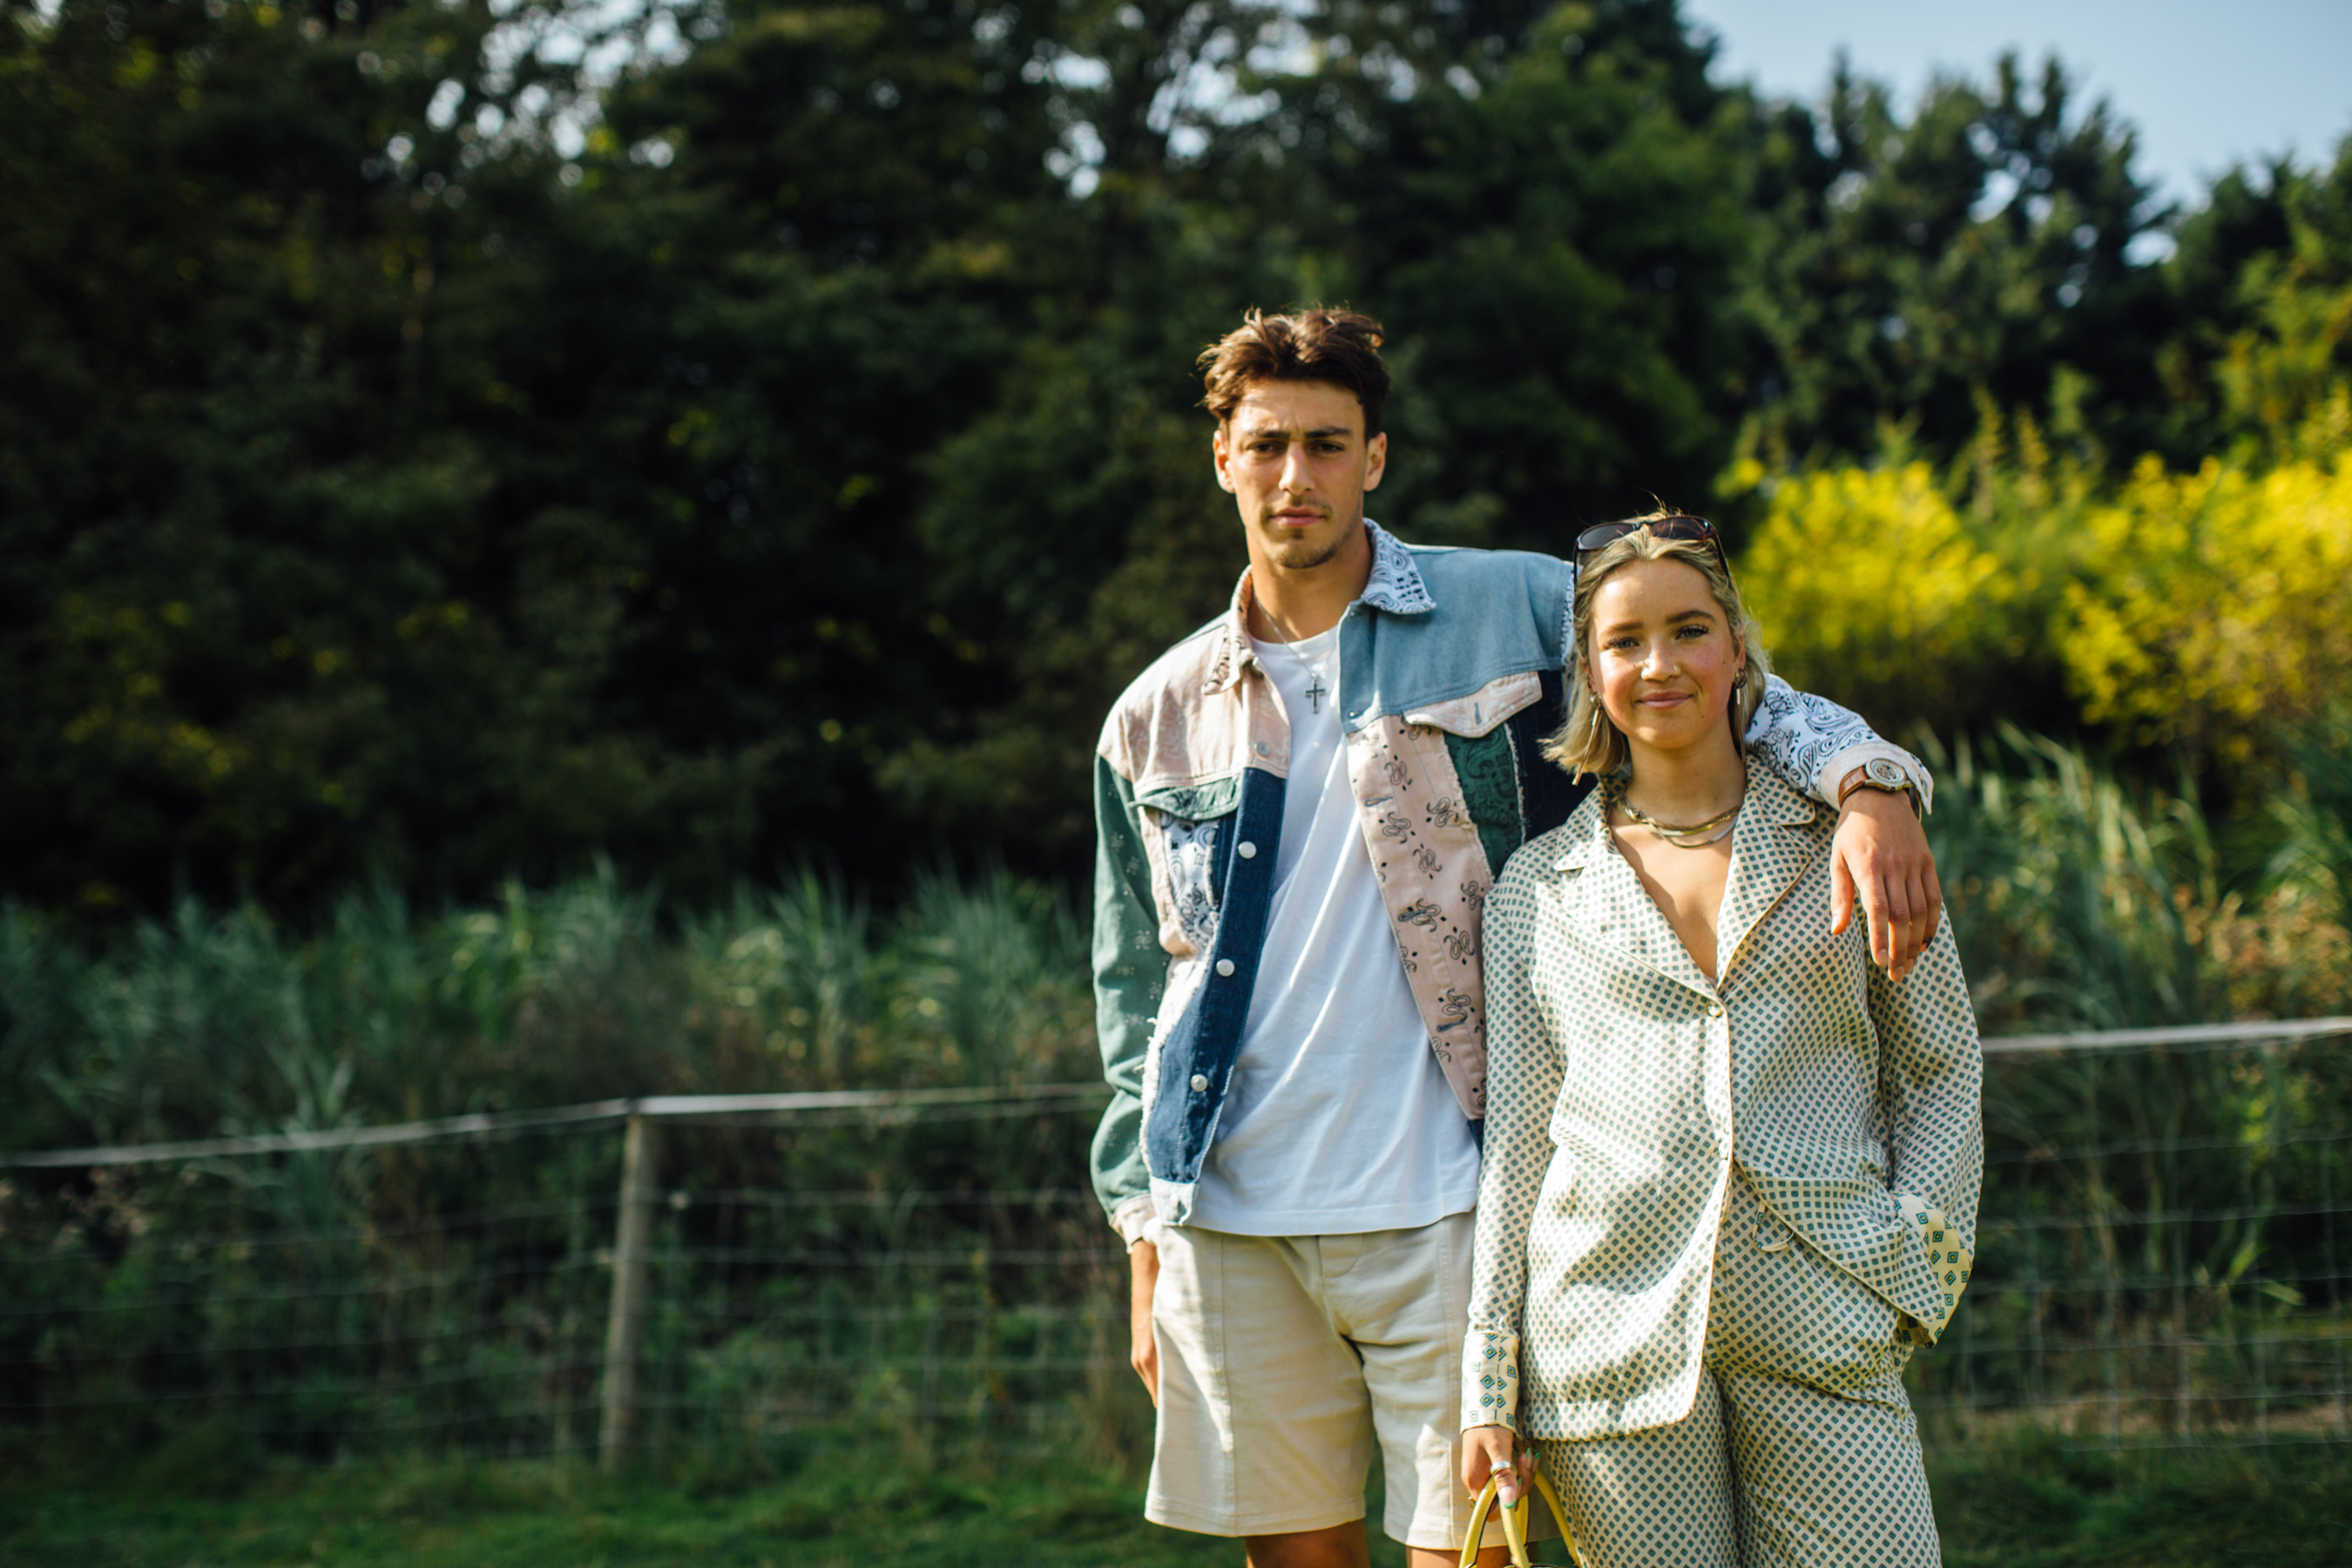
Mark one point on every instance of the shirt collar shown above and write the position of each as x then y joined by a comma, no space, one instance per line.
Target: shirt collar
1395,586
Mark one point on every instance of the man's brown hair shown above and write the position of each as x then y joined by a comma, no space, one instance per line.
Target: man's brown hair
1313,344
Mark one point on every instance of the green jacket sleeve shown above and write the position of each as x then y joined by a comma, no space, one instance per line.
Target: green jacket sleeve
1129,973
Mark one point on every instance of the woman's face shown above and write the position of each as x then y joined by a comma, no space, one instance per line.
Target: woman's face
1664,661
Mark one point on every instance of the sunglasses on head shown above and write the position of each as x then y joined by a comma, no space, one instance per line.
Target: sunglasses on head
1601,535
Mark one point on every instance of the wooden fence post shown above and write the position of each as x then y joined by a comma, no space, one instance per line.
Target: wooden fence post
625,1334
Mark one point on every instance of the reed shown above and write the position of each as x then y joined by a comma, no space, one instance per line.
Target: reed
953,1275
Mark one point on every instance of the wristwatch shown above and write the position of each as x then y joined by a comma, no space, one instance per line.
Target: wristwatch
1879,773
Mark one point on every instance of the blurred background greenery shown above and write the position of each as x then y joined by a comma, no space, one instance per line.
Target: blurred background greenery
553,550
441,443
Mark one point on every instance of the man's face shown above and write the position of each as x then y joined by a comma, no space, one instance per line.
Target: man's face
1295,457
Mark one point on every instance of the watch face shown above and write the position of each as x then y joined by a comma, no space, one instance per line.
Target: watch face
1881,772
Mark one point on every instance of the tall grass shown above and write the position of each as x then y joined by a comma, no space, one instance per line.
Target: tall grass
2141,1203
358,1297
220,1022
2079,901
454,1292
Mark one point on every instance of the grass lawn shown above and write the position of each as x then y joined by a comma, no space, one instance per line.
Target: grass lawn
195,1501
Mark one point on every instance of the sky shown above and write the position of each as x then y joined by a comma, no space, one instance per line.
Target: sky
2205,85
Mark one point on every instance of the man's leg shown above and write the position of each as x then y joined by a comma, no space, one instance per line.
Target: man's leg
1264,1426
1341,1546
1403,1297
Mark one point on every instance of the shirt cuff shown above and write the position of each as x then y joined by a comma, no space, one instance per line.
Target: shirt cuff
1948,1257
1833,772
1490,1379
1136,1220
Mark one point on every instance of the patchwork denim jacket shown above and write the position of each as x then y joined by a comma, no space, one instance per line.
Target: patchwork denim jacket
1450,673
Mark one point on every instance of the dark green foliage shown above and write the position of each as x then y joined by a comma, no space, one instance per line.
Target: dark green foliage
2263,287
298,576
1554,230
1980,253
2316,810
800,459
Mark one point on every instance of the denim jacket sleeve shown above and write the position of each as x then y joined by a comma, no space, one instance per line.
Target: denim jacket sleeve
1129,972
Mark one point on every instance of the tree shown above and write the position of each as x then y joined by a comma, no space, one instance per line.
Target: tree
459,440
1910,273
282,595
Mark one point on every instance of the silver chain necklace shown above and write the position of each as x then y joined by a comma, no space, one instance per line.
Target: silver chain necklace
1316,689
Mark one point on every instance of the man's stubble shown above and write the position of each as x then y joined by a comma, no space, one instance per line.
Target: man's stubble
1297,555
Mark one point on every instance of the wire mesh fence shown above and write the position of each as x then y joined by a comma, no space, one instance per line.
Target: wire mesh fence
846,1266
2158,1262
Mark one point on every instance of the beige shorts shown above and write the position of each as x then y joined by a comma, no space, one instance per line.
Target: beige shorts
1282,1358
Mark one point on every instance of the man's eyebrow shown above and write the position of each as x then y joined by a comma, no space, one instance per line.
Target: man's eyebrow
1274,427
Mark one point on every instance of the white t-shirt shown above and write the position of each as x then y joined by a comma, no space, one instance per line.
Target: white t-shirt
1339,1119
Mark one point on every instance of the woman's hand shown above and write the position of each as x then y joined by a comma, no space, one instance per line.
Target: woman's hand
1486,1450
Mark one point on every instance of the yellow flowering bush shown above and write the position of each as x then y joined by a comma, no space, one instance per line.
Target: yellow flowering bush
1870,589
2213,606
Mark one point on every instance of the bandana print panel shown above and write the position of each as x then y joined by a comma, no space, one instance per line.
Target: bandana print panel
1191,869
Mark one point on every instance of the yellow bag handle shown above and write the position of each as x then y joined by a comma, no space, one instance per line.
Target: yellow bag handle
1515,1523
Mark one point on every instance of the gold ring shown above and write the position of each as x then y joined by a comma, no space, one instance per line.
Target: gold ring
1499,1466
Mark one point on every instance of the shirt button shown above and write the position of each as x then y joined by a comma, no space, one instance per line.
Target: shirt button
1260,748
1714,1009
1245,849
1225,966
1200,1083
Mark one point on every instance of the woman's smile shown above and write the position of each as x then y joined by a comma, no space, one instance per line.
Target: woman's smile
1665,663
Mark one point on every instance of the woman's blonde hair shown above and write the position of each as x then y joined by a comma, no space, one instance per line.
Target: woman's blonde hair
1589,742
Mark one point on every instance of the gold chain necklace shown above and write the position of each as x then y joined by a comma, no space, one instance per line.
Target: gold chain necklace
1697,835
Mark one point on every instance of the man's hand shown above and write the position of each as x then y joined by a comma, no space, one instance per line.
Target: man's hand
1882,849
1143,1351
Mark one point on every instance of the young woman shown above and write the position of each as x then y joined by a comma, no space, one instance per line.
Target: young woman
1730,1169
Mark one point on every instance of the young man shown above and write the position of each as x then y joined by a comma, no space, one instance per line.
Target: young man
1300,808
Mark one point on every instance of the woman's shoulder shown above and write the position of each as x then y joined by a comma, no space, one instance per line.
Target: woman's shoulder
1783,800
1549,856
